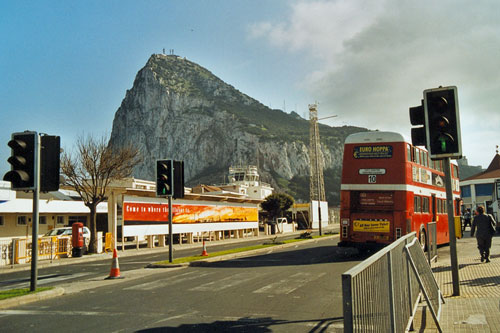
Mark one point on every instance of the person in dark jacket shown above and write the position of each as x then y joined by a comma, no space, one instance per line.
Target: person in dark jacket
485,225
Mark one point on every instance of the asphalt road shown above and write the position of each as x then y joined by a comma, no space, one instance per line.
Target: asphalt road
65,273
295,289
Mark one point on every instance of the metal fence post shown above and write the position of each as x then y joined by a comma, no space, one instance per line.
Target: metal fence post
391,292
347,302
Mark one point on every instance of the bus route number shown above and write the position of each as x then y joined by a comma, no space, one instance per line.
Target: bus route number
372,179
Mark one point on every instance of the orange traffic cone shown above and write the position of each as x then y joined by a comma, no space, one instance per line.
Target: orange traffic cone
204,253
115,268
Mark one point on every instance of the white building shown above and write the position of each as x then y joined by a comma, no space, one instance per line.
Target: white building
56,209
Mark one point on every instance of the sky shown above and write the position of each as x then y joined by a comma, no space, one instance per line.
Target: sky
65,66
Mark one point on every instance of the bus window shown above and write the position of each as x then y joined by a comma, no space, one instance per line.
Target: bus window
425,205
455,170
417,203
426,159
417,156
408,152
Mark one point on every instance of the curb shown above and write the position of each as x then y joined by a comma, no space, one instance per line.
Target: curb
20,300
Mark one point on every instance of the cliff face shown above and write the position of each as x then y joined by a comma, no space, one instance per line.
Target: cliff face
179,110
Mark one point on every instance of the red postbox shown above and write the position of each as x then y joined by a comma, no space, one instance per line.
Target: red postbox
77,239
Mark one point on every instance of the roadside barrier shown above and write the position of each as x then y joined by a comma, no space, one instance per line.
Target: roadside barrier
108,244
432,250
49,248
381,294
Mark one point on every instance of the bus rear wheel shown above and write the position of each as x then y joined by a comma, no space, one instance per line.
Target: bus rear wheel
422,238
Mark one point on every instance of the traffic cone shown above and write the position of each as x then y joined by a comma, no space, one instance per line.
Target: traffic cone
204,253
115,268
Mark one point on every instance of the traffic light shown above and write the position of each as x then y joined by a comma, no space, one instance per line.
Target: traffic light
417,118
50,163
442,123
22,174
178,179
164,178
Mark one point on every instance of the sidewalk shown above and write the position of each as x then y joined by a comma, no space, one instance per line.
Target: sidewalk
477,309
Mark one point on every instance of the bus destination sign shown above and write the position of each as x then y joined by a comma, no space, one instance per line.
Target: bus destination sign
384,151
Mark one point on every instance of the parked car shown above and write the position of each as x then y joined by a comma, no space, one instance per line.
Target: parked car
68,231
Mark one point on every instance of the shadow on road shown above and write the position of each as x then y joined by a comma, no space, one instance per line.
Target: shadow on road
309,256
246,324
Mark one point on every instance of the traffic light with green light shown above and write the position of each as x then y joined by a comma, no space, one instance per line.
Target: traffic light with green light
442,123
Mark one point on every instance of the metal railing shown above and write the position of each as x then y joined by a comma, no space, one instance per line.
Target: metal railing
381,294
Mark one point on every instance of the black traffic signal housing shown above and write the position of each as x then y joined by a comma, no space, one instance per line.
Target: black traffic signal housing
442,123
22,160
178,179
164,178
50,152
417,118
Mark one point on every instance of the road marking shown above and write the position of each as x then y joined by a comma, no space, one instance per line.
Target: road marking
287,286
58,313
42,279
227,282
169,281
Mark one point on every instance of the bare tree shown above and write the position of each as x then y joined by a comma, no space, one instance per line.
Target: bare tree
92,168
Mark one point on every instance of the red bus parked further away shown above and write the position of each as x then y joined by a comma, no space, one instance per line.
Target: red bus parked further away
391,188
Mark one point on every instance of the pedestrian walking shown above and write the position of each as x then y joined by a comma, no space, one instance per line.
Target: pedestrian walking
467,219
485,225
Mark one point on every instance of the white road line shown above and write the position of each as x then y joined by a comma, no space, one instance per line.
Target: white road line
227,282
286,286
41,280
169,281
58,313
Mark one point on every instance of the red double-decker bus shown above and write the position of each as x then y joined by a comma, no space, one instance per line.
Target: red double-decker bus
391,188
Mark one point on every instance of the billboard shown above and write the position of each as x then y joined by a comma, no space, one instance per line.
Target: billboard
141,213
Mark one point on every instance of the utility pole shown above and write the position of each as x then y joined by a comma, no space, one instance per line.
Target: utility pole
316,181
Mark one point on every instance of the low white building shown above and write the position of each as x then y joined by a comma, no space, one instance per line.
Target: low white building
56,209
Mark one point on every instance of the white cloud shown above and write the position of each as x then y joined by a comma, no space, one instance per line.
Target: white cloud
374,59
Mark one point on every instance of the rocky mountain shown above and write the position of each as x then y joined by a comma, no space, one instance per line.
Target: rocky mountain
179,110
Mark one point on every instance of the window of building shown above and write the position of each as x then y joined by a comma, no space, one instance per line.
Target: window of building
60,219
1,221
484,190
22,220
73,219
465,191
42,220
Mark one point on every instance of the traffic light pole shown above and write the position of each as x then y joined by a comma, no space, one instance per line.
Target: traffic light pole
34,232
451,228
170,233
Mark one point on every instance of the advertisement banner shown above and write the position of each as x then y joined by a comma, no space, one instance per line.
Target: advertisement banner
157,213
371,226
